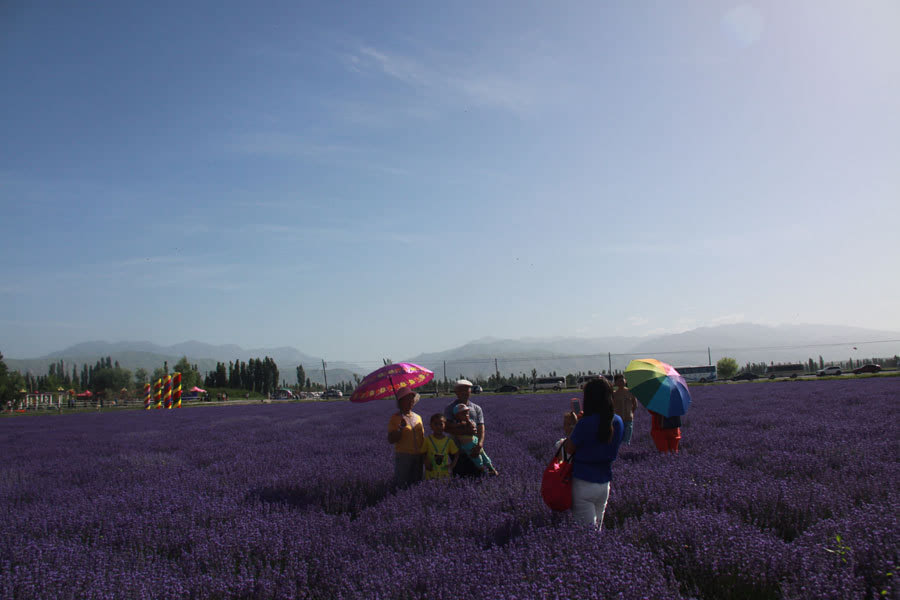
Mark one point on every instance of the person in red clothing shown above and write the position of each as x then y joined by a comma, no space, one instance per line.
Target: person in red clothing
665,431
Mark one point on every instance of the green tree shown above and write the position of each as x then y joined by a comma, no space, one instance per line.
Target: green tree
158,373
727,367
301,375
190,375
7,384
110,379
221,377
140,377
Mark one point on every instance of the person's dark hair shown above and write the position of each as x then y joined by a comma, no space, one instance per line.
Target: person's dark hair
598,400
435,417
618,377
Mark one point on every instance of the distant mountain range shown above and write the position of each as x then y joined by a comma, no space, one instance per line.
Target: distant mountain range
746,342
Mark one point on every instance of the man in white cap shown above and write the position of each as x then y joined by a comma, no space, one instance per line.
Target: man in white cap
475,426
407,433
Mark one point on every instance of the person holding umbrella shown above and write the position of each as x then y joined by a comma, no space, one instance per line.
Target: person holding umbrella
665,431
407,434
664,393
465,467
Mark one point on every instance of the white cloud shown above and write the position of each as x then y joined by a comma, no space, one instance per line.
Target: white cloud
367,233
290,146
474,86
284,145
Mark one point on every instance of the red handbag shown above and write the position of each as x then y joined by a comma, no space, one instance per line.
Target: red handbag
556,484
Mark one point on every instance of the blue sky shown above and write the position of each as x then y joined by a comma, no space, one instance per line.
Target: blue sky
390,178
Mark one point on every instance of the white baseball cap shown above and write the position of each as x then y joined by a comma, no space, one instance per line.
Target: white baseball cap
462,383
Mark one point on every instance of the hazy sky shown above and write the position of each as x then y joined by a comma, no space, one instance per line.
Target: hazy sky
392,178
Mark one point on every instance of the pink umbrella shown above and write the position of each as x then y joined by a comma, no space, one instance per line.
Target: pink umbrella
198,390
389,379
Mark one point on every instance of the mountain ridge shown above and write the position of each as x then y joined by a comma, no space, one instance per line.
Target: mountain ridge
746,342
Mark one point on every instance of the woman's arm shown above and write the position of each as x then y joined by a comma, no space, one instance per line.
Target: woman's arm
394,435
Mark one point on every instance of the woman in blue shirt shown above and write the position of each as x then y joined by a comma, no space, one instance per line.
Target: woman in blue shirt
595,443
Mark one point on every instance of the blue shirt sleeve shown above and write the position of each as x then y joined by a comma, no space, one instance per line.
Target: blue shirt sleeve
578,433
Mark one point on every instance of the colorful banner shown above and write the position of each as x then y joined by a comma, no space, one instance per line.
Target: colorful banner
176,390
148,397
158,392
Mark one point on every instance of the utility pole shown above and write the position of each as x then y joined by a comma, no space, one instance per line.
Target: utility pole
445,373
497,369
609,356
709,354
325,373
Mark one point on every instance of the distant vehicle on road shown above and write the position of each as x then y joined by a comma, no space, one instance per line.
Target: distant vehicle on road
829,371
788,370
477,389
507,388
702,374
333,393
870,368
548,383
745,376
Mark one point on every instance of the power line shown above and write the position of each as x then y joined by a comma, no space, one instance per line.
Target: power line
518,359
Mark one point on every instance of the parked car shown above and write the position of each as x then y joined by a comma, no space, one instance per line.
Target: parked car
745,376
507,388
333,393
829,371
870,368
476,389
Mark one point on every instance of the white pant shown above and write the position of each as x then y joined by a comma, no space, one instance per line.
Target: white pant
589,502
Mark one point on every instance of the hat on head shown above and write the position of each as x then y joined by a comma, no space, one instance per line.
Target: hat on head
404,392
460,408
462,383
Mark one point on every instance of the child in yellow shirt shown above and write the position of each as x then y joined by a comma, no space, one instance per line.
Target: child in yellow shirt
439,449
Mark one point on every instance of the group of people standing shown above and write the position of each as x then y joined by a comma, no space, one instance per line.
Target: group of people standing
455,446
593,438
594,433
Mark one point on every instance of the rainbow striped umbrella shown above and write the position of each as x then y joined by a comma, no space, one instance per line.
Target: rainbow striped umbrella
658,386
389,379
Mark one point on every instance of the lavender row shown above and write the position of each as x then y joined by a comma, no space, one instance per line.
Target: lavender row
783,490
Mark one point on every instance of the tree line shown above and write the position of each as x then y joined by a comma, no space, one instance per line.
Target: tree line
254,376
107,377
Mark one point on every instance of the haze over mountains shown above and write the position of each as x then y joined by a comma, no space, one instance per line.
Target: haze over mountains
745,342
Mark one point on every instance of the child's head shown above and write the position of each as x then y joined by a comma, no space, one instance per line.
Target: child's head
569,421
620,380
437,423
461,412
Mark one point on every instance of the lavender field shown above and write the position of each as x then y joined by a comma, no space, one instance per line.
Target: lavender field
786,490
